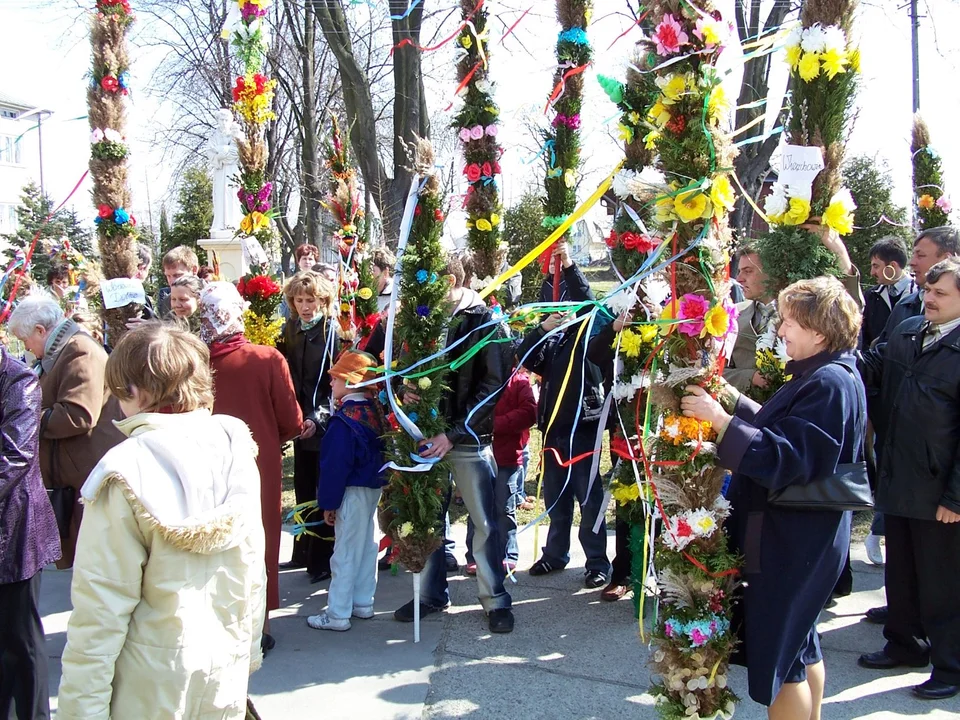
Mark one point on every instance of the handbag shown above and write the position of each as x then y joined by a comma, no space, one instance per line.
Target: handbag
848,488
61,497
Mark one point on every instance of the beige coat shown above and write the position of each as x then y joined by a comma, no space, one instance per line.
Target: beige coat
169,583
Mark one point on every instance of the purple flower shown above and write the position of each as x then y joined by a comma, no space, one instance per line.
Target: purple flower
423,311
265,192
263,207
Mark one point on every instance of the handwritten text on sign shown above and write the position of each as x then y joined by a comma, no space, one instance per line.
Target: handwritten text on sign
799,167
122,291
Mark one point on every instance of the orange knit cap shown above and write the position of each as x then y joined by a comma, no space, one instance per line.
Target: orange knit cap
354,366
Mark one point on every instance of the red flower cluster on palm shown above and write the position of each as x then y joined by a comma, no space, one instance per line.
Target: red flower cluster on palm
632,241
241,88
259,287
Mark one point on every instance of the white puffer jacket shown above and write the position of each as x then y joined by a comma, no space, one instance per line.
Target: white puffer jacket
169,583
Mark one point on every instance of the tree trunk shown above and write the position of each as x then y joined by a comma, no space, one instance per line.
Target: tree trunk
311,190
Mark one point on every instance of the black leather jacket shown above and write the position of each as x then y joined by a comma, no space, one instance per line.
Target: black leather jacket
481,376
918,423
305,352
551,359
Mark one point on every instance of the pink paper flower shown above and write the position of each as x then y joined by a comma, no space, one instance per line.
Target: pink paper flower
96,136
692,308
944,204
476,132
465,135
492,131
698,638
669,36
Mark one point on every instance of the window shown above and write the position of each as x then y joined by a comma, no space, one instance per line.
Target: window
11,114
8,219
10,150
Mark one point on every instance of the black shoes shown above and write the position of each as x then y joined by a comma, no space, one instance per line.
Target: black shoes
405,614
877,615
501,621
267,643
542,567
452,564
881,661
594,579
292,565
936,690
320,577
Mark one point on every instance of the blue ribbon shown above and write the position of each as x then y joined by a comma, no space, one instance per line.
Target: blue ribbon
407,12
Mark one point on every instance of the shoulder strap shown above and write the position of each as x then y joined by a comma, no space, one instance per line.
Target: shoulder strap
861,406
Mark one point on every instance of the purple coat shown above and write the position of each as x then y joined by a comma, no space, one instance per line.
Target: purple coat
29,538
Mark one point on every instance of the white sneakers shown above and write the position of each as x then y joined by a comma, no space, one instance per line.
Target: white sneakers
364,613
874,551
325,622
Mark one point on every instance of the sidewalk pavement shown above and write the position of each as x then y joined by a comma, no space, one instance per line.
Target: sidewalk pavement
570,656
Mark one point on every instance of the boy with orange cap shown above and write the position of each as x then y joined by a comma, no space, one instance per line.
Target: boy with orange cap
351,457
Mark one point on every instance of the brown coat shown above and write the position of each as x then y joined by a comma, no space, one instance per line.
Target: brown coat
77,423
253,383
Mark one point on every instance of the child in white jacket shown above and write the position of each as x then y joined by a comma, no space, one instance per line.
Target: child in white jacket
169,582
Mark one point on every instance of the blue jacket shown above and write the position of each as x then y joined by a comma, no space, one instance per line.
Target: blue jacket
351,453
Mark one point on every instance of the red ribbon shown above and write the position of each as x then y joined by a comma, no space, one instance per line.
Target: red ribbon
558,90
571,461
407,41
26,261
625,32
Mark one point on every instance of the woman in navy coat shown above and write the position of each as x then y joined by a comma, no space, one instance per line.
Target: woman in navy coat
792,558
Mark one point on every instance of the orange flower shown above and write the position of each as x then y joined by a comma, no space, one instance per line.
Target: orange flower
926,202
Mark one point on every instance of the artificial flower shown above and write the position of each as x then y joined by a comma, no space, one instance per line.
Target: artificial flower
569,177
422,276
943,202
484,225
104,211
669,36
438,215
648,332
717,321
365,293
96,136
798,212
492,131
708,30
809,67
109,83
658,114
466,41
834,39
690,205
673,86
814,39
677,124
721,194
625,133
834,62
630,343
252,222
839,213
121,216
650,140
718,105
465,135
423,311
665,210
476,132
406,530
793,56
494,219
692,310
625,493
112,135
345,307
925,202
424,383
777,201
472,172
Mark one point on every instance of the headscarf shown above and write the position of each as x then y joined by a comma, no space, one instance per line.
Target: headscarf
221,312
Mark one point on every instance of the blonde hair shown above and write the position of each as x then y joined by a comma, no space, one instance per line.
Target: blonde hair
169,365
316,285
189,282
824,306
182,255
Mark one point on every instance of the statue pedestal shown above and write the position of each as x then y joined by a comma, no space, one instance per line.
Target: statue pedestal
230,252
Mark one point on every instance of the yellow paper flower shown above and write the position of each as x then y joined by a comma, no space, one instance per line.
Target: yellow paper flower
793,56
365,293
406,530
717,321
690,205
424,383
705,525
668,315
630,343
718,106
626,133
664,210
798,212
484,225
494,219
926,202
839,217
674,88
466,41
809,67
570,176
648,333
344,307
254,221
650,140
659,115
834,63
721,194
625,494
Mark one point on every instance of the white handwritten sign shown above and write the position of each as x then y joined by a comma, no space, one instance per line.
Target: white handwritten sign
799,167
122,291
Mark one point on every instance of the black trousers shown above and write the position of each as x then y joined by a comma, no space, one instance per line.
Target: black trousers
310,550
24,682
923,594
621,563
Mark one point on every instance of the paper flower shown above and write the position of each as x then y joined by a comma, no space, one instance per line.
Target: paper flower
465,135
814,39
944,204
794,53
406,530
472,171
109,83
834,62
690,205
669,36
476,132
839,213
718,105
630,343
96,136
672,86
104,211
121,216
569,177
717,321
926,202
777,202
834,40
809,67
798,212
424,383
492,131
721,194
422,276
365,293
708,30
423,311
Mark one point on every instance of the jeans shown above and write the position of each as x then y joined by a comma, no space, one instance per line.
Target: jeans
559,495
449,544
505,497
474,472
354,561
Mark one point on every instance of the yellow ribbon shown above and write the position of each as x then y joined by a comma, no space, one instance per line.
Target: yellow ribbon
746,195
554,236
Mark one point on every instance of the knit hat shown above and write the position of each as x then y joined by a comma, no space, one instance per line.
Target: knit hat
354,366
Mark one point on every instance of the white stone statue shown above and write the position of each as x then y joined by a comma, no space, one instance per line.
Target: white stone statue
222,155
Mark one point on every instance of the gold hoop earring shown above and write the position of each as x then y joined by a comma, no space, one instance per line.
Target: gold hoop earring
894,271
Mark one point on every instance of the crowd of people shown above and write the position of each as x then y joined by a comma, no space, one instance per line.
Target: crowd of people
153,467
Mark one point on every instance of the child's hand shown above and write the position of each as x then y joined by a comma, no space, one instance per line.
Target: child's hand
330,517
309,430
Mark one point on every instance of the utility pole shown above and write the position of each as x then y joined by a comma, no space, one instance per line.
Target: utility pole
915,38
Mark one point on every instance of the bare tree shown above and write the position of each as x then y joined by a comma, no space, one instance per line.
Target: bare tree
753,161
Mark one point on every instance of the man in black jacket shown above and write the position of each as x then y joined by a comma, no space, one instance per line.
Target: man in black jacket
467,404
569,418
888,266
918,488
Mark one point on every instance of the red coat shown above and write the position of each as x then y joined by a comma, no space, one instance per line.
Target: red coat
252,383
515,412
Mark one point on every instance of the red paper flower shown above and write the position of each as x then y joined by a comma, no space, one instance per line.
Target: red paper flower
438,215
105,211
109,83
683,528
612,240
259,286
630,240
416,211
473,172
487,170
496,168
371,320
238,89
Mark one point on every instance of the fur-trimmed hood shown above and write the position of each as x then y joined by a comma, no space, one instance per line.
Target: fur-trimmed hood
188,474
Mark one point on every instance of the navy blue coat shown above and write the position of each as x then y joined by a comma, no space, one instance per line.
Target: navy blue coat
792,558
351,452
